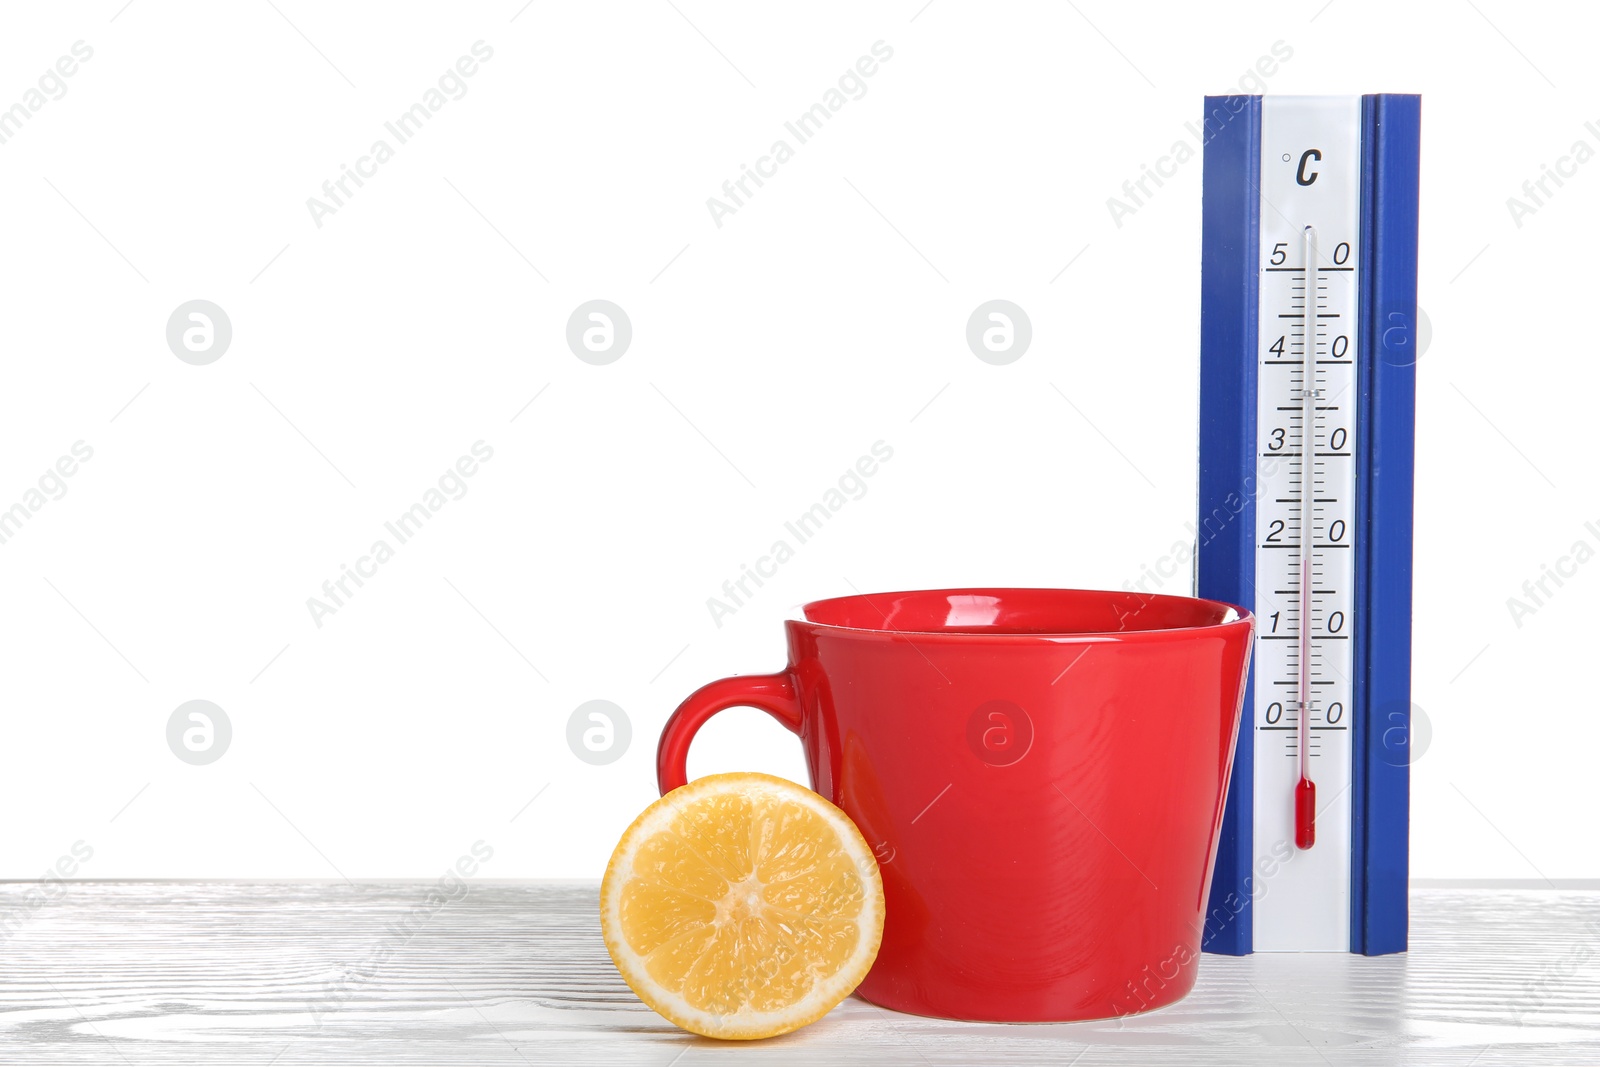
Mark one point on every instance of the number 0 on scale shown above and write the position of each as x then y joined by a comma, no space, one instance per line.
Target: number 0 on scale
1307,364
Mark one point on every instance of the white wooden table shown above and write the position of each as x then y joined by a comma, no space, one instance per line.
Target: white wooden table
196,973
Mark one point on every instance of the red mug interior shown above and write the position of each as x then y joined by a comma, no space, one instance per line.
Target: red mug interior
1061,612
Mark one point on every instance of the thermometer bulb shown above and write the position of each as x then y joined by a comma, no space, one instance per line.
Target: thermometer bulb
1305,814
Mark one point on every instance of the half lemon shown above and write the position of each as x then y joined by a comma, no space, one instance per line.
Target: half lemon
742,906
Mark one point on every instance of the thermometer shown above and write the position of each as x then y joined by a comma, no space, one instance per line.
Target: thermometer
1305,790
1307,387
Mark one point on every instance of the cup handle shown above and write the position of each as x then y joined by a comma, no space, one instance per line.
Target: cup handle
772,693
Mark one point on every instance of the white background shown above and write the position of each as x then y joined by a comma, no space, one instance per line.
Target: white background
827,314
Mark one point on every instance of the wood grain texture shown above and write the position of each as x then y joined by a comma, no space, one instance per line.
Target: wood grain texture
200,973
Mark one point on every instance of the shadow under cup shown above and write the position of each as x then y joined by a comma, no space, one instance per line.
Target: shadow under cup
1040,772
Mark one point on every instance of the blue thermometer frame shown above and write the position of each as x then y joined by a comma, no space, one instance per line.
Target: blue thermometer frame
1225,564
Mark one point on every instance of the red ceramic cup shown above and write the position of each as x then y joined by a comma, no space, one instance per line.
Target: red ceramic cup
1040,772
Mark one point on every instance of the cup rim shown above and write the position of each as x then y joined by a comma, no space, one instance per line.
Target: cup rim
1235,616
